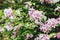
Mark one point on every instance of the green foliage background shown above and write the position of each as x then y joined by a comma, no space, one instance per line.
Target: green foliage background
23,18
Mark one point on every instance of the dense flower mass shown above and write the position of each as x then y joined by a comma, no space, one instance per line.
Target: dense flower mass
46,27
36,15
52,22
29,20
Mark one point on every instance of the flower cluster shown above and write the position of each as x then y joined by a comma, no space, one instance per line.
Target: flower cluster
43,37
46,27
8,13
36,15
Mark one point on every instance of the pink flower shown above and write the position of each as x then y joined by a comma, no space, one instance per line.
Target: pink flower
45,28
44,37
8,27
36,15
29,36
52,22
8,13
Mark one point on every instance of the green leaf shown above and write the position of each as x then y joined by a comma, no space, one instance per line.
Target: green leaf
1,13
52,34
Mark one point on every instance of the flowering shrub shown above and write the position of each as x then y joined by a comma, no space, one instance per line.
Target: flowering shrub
30,20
